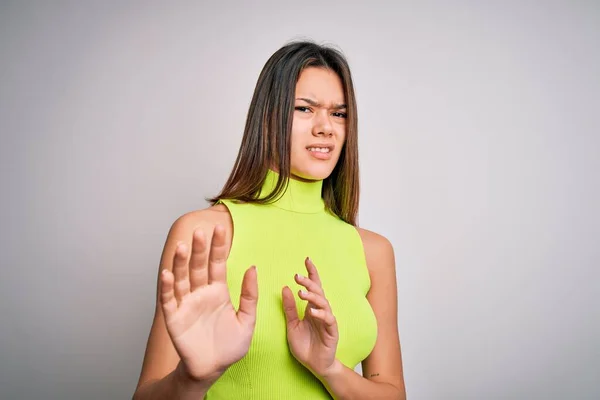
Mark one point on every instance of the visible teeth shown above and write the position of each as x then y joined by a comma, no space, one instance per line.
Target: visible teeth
319,149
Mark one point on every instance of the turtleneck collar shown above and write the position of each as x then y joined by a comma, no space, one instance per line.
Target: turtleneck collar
300,197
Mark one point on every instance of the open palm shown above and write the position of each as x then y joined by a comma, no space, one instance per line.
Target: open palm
312,340
206,331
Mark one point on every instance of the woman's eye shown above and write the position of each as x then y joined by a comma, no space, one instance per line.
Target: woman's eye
340,114
303,109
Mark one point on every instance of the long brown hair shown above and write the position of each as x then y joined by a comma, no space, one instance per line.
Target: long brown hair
267,134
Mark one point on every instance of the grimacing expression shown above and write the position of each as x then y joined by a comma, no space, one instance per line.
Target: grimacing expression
319,124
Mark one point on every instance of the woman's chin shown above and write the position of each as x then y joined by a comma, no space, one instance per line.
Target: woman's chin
312,173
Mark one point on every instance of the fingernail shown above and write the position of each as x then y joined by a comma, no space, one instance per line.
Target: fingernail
302,292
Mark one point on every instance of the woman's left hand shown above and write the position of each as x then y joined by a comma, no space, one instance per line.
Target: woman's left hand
312,340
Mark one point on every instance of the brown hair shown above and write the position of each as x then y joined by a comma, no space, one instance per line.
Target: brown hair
267,142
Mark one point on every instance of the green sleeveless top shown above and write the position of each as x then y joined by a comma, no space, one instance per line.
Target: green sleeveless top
277,238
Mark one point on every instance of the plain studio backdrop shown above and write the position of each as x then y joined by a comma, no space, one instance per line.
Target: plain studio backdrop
479,149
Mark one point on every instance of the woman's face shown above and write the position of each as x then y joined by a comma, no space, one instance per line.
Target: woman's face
319,124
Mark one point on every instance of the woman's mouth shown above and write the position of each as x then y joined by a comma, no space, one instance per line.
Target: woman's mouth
320,153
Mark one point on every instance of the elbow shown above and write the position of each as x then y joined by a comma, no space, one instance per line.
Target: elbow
140,390
399,391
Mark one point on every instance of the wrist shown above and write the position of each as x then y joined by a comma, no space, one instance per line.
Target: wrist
190,383
333,371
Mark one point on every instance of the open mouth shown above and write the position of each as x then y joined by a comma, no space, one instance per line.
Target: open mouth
321,152
320,149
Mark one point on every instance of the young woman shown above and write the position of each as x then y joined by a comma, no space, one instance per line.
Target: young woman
285,218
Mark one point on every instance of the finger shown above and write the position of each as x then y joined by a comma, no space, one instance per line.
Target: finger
309,284
167,296
217,271
248,298
328,320
289,307
313,274
198,261
314,300
180,271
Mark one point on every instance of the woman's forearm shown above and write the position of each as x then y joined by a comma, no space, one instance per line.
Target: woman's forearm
345,384
173,386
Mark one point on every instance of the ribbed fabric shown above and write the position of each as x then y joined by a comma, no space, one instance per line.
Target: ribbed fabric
277,238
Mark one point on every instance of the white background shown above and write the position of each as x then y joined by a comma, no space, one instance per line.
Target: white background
479,142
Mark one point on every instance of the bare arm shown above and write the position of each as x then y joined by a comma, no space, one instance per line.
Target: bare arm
197,334
344,383
175,385
160,378
382,370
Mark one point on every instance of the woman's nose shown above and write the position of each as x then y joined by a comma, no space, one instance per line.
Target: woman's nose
323,125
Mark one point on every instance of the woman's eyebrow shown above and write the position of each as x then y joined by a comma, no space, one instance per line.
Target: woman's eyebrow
317,104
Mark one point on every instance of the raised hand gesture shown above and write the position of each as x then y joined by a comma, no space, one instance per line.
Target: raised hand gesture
312,340
207,332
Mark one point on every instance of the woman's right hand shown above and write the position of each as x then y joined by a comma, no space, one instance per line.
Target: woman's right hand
207,332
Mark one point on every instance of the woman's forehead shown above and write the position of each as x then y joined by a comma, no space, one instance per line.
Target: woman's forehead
320,85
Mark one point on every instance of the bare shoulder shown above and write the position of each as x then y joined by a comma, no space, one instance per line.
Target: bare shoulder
216,213
372,239
205,218
379,251
182,230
